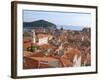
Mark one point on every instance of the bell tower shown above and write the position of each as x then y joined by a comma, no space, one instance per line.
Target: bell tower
33,36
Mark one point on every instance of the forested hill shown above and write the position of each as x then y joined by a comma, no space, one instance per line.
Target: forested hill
39,23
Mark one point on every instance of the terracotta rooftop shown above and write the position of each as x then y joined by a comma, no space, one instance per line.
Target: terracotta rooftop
26,45
44,59
26,38
35,62
26,42
27,54
42,35
65,62
43,65
86,58
33,54
47,46
71,53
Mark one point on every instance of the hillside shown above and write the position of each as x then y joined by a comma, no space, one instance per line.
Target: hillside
39,23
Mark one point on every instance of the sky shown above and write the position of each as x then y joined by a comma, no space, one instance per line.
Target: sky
58,18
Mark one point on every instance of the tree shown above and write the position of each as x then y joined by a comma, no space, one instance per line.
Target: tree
32,48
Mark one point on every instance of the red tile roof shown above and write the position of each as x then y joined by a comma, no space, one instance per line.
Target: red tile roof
44,58
71,53
42,35
27,54
44,65
65,62
26,45
47,46
26,42
33,54
86,58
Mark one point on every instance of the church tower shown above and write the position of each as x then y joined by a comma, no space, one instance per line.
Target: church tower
33,36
